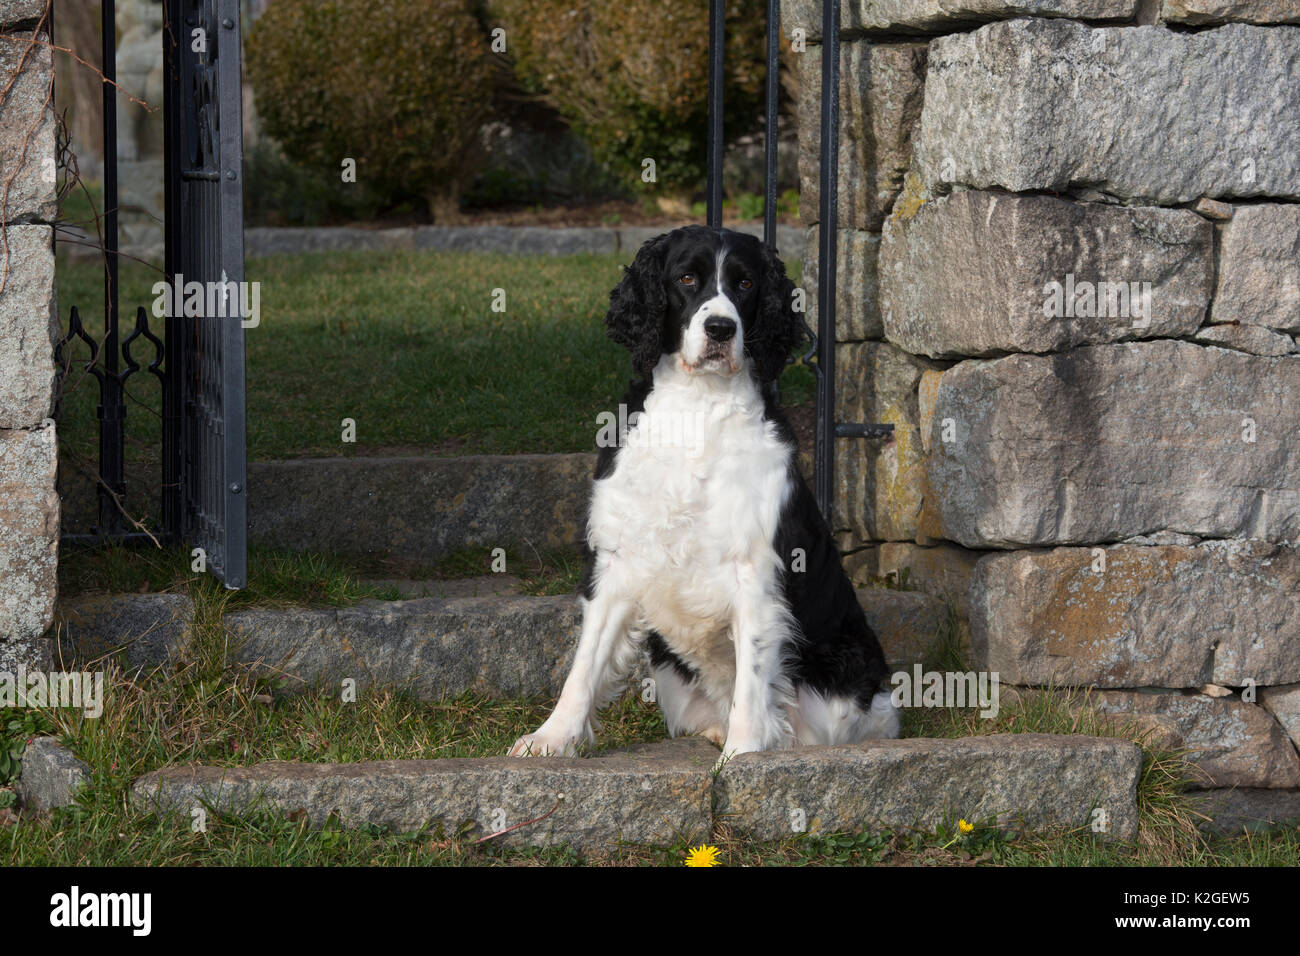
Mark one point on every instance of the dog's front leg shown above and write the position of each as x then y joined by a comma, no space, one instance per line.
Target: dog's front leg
760,630
604,626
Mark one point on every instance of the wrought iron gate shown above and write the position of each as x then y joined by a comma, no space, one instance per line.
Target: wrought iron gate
200,365
205,242
823,341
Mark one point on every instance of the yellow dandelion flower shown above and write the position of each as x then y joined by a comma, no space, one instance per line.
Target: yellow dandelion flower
702,856
965,827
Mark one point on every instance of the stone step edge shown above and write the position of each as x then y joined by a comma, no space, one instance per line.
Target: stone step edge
516,646
311,642
263,241
668,791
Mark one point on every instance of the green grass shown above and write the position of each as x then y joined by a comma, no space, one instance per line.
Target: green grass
404,343
232,720
541,572
278,578
275,577
212,710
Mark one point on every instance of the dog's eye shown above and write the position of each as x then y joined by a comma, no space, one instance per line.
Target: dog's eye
746,284
688,279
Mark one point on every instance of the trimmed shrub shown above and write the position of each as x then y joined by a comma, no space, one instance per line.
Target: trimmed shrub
278,192
631,76
401,86
530,166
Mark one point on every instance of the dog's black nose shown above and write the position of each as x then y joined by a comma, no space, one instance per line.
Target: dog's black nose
718,328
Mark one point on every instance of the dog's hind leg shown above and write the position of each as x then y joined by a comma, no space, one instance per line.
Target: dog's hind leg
821,719
686,708
602,650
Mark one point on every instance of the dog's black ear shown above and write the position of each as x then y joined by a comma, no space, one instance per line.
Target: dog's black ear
637,306
777,329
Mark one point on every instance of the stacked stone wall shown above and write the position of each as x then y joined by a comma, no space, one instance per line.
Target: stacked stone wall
29,506
1070,276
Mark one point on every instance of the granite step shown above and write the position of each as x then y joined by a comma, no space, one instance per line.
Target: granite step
667,793
502,645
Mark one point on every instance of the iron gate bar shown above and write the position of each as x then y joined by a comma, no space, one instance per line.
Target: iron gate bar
822,343
713,177
174,385
827,429
204,223
112,409
234,454
770,131
827,250
854,430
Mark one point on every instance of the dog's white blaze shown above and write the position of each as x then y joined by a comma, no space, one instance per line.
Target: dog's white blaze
695,340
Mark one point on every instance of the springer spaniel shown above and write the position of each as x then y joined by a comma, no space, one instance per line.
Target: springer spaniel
705,546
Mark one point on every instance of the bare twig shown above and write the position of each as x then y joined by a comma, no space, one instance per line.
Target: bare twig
90,66
77,463
493,836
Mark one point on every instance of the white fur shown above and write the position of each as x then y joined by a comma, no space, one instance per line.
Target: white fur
684,543
827,721
695,340
686,709
683,535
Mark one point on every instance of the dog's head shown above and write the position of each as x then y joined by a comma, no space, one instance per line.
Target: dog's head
719,302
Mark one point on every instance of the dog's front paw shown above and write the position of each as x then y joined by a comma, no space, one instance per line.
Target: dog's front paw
733,747
544,745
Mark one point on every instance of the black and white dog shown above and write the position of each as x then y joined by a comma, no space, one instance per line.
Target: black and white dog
706,547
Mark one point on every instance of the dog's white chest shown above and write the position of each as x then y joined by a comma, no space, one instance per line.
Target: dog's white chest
690,508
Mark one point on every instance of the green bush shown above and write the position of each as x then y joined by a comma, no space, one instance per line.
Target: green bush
278,192
631,76
527,166
401,86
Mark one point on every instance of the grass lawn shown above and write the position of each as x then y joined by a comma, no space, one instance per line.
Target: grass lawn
279,578
211,710
228,719
404,343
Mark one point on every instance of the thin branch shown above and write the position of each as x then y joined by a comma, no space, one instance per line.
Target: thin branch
90,66
493,836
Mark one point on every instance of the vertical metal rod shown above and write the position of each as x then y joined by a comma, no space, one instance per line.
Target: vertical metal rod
827,231
770,132
173,409
230,160
112,411
717,27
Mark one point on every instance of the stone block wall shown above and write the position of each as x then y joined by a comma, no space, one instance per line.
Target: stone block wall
1070,276
29,506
